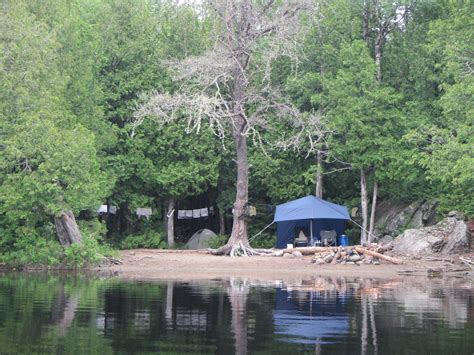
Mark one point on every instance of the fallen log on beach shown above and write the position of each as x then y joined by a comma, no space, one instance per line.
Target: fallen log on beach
378,255
310,250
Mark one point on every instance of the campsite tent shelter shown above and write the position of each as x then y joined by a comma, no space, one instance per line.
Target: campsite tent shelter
310,214
200,239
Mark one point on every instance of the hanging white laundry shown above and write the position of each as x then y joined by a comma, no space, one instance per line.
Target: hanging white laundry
181,214
189,213
170,213
102,209
204,212
211,210
196,213
145,212
112,209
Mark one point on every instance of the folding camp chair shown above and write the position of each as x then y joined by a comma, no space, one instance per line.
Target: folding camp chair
328,237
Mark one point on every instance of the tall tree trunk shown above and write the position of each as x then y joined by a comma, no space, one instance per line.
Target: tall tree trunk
67,229
378,54
319,175
170,223
365,21
364,206
221,222
374,207
239,237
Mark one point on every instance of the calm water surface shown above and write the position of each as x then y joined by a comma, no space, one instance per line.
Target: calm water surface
45,314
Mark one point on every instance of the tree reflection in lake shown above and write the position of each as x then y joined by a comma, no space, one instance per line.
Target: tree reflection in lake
238,291
59,314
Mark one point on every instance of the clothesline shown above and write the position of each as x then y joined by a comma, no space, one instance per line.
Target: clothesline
147,212
196,213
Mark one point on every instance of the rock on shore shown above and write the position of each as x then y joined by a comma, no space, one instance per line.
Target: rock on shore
449,236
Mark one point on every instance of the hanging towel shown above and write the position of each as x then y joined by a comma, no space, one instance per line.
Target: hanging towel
113,209
204,212
181,214
251,211
354,212
102,209
196,213
189,214
146,212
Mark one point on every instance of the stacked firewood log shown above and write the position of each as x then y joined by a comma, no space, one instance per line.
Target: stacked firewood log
346,255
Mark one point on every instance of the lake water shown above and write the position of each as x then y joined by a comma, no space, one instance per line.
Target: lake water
48,314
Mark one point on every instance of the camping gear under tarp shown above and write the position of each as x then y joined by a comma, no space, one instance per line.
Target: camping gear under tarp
200,239
311,215
343,240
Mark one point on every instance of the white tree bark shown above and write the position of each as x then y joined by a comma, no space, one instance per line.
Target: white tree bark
364,207
319,175
373,210
170,222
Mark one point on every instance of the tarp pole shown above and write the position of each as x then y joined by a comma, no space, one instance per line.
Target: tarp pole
311,231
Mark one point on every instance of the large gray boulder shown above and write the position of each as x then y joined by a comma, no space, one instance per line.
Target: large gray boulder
392,218
449,236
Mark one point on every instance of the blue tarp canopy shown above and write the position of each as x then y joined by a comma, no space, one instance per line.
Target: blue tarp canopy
310,214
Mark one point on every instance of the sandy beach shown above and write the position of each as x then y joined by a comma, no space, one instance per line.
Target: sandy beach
149,264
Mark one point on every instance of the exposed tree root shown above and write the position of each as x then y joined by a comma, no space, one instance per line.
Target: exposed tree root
237,249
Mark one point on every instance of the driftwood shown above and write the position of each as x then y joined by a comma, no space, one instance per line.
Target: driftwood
408,272
337,256
457,269
310,250
467,261
378,255
433,258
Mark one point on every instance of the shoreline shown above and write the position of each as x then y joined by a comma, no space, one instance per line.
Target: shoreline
199,265
155,264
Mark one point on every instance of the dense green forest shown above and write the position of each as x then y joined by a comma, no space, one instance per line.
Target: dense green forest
124,103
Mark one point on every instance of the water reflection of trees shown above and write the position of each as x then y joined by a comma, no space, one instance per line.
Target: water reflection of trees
382,310
234,316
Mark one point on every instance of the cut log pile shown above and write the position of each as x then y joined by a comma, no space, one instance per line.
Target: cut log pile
345,255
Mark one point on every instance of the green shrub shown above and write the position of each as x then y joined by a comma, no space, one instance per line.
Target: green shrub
148,239
29,248
264,241
39,246
217,241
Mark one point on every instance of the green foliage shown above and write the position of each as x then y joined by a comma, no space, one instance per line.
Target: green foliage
362,112
278,175
148,239
78,255
93,247
264,241
30,248
217,241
